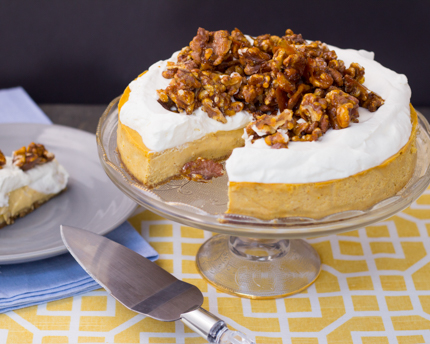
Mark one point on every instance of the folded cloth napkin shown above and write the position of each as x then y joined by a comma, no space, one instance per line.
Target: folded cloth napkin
16,106
28,284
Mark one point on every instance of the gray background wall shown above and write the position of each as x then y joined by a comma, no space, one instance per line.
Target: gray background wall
87,51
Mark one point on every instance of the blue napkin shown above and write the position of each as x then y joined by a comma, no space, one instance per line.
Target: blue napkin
17,106
28,284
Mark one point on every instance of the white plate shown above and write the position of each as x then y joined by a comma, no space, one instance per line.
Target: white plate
91,200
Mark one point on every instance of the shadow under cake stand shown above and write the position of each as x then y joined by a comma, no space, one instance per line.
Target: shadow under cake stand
250,257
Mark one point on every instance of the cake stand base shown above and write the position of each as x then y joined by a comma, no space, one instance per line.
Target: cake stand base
258,268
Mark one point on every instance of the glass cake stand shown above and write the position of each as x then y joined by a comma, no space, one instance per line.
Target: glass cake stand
250,257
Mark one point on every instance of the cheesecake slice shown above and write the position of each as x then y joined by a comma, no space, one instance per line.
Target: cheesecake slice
28,179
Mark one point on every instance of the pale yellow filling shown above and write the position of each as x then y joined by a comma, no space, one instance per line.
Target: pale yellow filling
21,202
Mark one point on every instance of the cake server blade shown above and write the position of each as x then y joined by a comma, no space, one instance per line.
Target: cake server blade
143,286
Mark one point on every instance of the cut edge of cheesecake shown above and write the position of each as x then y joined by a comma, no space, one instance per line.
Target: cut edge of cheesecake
316,200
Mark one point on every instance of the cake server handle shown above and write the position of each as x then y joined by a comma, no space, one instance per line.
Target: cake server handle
213,328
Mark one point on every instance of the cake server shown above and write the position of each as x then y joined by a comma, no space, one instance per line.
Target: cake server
144,287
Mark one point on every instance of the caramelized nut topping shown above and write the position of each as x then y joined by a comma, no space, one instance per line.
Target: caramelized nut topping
201,170
224,73
2,160
28,157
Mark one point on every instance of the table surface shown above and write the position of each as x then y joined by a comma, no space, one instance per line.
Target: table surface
374,287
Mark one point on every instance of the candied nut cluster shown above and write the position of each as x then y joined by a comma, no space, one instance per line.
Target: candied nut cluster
295,90
28,157
201,170
2,160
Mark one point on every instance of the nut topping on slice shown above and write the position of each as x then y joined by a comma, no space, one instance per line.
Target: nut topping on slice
201,170
2,160
28,157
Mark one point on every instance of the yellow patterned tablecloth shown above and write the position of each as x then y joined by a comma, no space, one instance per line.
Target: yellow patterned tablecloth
374,288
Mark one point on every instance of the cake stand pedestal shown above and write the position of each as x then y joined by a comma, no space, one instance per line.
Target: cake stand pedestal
251,258
258,268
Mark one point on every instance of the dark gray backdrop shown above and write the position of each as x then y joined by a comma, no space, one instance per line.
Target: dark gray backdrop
87,51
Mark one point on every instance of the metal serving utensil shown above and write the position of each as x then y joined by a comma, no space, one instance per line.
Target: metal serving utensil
144,287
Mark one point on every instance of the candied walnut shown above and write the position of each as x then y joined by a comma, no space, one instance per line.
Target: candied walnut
281,99
212,111
266,124
234,108
277,79
221,44
312,107
278,59
311,50
187,80
342,108
208,49
285,84
277,140
261,80
318,73
232,82
300,128
356,72
250,93
201,170
373,102
270,124
270,98
2,160
336,75
198,44
338,65
28,157
183,99
263,43
163,96
292,38
239,41
297,62
253,59
303,88
315,135
171,70
368,99
325,123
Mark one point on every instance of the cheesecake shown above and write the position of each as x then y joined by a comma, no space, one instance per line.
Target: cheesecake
302,133
28,179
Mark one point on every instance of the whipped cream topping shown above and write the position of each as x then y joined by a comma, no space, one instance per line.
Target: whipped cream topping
160,128
49,178
338,153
